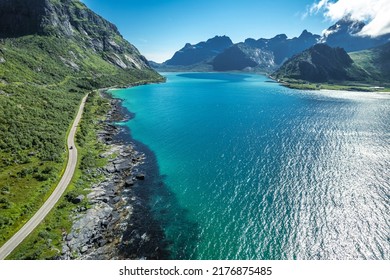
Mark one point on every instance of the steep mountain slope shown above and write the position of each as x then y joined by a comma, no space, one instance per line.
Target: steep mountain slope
51,53
241,56
223,55
70,20
282,47
254,54
203,51
375,61
345,34
321,63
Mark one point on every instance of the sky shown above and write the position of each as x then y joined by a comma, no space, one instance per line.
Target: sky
159,28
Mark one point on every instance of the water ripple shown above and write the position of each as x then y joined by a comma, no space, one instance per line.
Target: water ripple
268,172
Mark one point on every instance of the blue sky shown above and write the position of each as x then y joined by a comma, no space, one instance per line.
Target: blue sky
159,28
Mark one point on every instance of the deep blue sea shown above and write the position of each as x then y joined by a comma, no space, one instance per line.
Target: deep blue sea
253,170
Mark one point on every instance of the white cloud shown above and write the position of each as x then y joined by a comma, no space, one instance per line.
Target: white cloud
158,57
374,12
318,6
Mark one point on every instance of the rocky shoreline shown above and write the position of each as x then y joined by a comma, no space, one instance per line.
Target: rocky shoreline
97,232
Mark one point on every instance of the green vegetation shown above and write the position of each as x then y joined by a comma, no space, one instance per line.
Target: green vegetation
42,81
321,64
376,62
46,241
53,54
305,85
322,67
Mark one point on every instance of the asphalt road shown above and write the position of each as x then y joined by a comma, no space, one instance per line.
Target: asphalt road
18,237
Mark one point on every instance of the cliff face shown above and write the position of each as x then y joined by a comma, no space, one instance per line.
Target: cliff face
49,17
19,18
71,20
57,48
241,56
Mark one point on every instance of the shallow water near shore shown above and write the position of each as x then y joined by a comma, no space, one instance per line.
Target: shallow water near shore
249,169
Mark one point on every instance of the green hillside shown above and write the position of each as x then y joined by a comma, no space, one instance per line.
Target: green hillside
44,73
376,62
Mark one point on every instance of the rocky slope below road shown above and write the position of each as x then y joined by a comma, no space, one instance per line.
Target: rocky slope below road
96,232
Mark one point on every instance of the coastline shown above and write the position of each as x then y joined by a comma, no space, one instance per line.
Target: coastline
118,224
302,85
132,238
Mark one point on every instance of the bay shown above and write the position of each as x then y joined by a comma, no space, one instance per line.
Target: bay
248,169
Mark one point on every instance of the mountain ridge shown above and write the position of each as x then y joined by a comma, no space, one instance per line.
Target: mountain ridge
245,56
202,51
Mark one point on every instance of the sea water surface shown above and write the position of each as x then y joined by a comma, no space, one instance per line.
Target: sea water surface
254,170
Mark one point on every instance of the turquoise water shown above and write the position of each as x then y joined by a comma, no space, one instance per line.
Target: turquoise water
260,171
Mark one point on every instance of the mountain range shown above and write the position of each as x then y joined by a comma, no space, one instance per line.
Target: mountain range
267,55
323,64
201,52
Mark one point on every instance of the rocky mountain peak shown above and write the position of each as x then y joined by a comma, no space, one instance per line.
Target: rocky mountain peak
202,51
305,34
279,37
220,40
72,16
345,33
344,26
51,17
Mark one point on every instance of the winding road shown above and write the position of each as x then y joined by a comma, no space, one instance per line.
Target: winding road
18,237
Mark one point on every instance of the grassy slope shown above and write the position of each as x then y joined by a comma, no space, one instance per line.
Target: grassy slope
46,241
376,62
40,91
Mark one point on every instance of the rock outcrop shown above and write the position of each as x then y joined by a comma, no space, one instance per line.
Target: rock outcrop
72,20
97,232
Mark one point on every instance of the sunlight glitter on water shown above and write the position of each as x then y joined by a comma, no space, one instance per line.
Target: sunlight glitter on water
266,172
